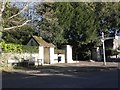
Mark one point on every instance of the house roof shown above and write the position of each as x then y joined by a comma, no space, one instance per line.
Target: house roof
42,42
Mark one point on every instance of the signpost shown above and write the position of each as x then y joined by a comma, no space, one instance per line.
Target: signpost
103,40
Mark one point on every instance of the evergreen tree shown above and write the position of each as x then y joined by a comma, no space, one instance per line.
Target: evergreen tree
107,16
81,23
49,27
76,21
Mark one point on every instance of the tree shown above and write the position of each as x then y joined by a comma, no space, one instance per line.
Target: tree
76,21
2,9
79,25
13,25
49,27
18,36
107,15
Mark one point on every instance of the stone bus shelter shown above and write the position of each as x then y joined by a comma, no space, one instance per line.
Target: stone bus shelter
46,54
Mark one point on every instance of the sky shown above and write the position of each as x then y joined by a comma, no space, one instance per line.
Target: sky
31,8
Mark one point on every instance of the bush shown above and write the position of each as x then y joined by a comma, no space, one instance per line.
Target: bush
115,52
111,52
18,48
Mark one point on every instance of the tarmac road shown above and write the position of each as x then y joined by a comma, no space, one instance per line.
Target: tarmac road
63,76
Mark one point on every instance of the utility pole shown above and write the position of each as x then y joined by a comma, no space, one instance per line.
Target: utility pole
103,40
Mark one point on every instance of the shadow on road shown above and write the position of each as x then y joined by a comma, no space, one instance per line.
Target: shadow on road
62,69
66,69
62,77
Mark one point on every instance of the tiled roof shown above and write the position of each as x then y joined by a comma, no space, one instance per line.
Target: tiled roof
42,42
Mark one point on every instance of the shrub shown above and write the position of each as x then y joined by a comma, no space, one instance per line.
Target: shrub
111,52
18,48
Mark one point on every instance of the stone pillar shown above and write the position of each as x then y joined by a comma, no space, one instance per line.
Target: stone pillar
40,60
68,54
51,55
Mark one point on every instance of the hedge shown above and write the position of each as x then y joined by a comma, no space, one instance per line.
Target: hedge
59,51
10,47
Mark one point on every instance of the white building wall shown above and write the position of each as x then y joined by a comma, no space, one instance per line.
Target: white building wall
116,42
51,55
62,58
118,39
69,54
40,55
56,58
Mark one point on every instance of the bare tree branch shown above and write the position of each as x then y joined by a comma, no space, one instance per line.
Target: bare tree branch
2,8
15,22
5,29
26,6
13,27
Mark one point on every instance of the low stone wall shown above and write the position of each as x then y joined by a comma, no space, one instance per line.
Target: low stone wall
18,57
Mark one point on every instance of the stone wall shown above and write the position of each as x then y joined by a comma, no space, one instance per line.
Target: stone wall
18,57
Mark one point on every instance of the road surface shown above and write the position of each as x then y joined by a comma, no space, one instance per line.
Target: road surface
63,76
